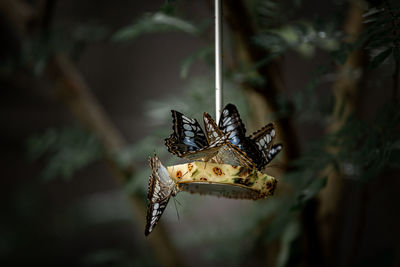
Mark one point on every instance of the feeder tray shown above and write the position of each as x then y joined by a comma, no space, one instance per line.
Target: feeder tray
222,180
223,142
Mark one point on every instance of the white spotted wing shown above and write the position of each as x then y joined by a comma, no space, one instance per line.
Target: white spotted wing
264,139
258,147
189,141
161,188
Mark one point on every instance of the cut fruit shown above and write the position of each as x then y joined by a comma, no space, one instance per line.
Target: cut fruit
222,180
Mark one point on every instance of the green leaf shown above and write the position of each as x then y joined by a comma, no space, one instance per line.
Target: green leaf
152,23
370,12
68,150
310,191
376,61
272,42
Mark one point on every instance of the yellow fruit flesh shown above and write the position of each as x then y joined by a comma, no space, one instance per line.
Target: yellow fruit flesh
222,180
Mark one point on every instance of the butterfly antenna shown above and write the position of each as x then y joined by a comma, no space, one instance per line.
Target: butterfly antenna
275,166
176,208
177,201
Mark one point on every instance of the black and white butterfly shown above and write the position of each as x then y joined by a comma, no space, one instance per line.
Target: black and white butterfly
226,143
264,140
189,141
161,188
258,146
228,153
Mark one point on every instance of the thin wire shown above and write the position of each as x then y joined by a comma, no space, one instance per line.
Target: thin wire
218,60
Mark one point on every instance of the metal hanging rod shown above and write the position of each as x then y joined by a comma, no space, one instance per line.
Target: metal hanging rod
218,60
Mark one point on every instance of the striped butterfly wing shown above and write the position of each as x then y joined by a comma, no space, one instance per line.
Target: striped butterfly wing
214,135
161,188
231,124
189,141
155,210
264,139
231,154
258,147
274,150
187,136
227,152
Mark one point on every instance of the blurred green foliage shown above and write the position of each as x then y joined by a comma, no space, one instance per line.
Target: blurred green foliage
363,149
35,52
382,34
67,150
164,20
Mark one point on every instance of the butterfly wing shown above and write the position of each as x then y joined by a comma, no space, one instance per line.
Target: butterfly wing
214,135
256,147
275,149
161,187
264,139
228,153
265,135
156,207
189,141
231,124
231,154
187,138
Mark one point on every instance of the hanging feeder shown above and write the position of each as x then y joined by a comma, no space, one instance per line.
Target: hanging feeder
224,161
222,180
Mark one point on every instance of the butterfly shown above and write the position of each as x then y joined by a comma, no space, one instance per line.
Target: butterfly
189,141
258,146
264,139
228,153
161,188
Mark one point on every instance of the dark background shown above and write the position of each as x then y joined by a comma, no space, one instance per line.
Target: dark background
85,219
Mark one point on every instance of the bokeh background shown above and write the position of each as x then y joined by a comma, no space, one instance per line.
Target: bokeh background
87,91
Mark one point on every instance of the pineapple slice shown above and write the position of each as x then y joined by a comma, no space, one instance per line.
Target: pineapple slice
222,180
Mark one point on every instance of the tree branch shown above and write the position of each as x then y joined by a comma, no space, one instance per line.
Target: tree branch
241,24
346,97
88,111
243,30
